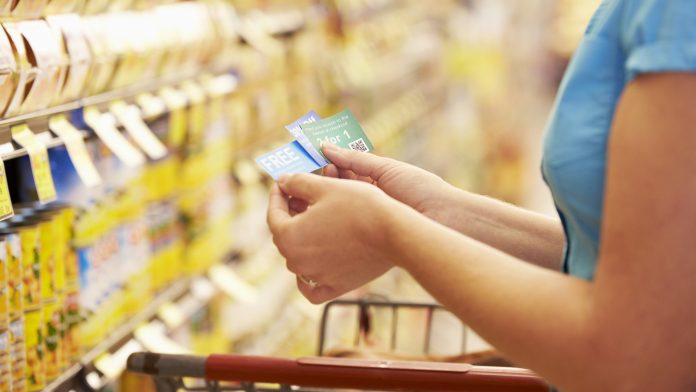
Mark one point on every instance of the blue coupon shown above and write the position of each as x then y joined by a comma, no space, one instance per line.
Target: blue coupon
295,128
290,158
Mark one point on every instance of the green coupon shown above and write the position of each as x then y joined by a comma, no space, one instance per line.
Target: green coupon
341,129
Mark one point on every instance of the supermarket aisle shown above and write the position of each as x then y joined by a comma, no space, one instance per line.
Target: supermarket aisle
133,211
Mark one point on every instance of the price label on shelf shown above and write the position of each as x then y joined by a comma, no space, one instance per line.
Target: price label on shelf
6,210
130,117
104,125
176,103
75,144
40,166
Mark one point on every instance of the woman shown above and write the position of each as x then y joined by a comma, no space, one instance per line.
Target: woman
599,302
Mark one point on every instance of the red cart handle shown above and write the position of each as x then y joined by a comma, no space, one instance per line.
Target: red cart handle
341,373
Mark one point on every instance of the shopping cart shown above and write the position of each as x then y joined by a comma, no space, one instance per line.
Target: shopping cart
256,373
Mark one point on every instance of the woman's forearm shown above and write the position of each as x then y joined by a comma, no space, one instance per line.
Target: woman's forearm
527,312
524,234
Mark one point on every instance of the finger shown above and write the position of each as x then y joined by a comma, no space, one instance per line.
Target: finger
307,187
362,164
278,215
330,170
347,174
297,206
350,175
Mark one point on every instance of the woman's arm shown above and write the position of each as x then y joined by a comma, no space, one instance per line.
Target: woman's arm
524,234
631,329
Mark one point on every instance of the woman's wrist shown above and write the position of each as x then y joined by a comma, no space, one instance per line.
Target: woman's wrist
397,222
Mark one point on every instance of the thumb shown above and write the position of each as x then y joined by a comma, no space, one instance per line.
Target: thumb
308,187
360,163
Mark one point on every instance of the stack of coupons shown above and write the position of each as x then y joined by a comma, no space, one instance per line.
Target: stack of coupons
304,155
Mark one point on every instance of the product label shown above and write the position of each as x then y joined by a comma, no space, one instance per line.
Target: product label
40,166
341,129
104,125
295,129
290,158
75,144
131,119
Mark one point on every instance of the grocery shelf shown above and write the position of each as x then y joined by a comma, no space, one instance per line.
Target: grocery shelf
119,336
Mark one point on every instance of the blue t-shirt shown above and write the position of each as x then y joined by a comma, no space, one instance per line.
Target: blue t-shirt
624,39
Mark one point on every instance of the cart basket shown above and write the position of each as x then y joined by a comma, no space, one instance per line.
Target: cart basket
339,373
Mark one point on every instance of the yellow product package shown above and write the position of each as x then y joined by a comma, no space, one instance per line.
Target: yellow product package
52,330
34,348
4,287
5,369
47,259
15,288
5,365
31,265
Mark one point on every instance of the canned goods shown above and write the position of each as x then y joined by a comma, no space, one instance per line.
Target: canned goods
33,337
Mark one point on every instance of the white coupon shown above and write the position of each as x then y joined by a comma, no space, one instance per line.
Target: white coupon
104,125
130,117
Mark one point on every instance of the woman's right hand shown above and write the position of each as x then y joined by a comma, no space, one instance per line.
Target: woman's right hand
421,190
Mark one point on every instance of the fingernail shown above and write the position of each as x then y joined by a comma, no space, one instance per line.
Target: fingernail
284,178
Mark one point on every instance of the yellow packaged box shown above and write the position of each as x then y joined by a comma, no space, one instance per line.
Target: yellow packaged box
16,309
34,341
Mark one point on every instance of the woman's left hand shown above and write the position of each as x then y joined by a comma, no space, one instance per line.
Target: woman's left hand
340,241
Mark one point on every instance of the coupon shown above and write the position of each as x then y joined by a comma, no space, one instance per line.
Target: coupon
341,129
290,158
295,130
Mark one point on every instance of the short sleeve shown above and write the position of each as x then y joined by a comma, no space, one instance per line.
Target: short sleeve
660,36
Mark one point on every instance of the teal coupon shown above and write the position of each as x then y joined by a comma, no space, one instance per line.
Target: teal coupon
341,129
